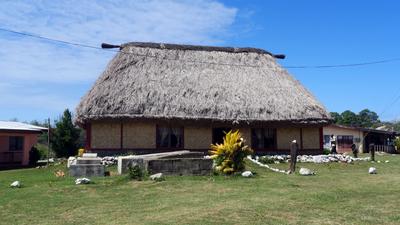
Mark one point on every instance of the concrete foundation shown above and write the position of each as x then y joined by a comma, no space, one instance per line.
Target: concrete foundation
86,170
185,166
169,163
86,167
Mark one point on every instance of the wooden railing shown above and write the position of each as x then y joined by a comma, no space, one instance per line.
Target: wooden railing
384,148
11,157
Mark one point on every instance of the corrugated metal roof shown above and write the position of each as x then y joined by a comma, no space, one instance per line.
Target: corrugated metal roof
371,130
18,126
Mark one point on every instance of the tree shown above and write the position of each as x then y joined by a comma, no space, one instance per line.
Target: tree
336,117
396,126
65,136
368,118
42,139
349,118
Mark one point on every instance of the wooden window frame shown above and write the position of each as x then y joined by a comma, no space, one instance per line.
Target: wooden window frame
343,144
16,149
275,138
169,147
328,140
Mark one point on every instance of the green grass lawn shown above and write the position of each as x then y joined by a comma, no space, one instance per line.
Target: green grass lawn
338,194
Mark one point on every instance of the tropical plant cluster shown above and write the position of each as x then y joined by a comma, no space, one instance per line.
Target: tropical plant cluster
229,156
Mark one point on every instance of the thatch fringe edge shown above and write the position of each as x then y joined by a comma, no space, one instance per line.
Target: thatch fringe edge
308,121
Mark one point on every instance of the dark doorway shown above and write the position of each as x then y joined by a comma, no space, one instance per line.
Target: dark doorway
219,134
376,139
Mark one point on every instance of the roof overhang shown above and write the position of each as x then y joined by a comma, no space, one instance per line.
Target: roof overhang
204,121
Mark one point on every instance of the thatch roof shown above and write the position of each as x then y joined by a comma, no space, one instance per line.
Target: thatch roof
198,83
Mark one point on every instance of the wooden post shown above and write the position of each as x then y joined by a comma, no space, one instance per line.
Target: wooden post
372,151
293,156
48,141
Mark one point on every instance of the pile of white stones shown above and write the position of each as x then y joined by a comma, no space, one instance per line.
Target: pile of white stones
109,160
279,158
316,158
105,161
267,166
330,158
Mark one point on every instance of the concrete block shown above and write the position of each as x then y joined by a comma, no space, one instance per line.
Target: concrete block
71,161
86,170
89,155
127,161
185,166
168,163
90,161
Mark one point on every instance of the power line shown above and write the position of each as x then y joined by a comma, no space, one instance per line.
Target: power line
213,63
344,65
99,48
51,39
397,98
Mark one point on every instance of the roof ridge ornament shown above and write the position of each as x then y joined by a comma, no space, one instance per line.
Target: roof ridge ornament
194,48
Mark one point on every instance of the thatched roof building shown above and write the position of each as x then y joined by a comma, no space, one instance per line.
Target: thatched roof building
237,85
199,84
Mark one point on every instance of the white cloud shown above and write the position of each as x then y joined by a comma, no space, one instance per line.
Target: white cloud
90,22
120,21
24,60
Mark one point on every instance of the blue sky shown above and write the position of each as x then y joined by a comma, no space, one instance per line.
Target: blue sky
39,79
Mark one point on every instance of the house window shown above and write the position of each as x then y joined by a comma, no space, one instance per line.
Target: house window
263,138
327,139
169,137
16,143
344,141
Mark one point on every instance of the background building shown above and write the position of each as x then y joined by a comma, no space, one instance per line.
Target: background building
16,140
361,137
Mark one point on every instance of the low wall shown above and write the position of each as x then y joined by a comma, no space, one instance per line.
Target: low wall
169,163
86,170
184,166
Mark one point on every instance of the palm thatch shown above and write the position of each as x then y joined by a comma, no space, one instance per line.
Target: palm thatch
184,82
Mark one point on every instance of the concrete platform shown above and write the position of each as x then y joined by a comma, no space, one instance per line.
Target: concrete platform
91,161
170,163
86,170
87,166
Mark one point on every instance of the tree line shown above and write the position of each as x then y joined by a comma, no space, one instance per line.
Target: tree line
365,118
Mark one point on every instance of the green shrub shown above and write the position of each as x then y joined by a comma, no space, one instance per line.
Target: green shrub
42,150
34,156
266,160
326,151
397,144
229,156
136,172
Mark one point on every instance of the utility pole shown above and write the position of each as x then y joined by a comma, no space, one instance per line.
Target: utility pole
48,141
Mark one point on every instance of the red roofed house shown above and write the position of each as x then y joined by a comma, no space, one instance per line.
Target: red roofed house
16,140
